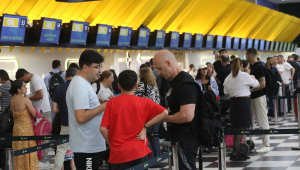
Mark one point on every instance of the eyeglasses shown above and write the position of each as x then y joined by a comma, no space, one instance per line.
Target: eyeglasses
97,67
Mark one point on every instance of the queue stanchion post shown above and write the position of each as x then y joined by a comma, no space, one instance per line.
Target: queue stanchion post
284,100
175,158
292,99
275,101
9,159
298,110
222,161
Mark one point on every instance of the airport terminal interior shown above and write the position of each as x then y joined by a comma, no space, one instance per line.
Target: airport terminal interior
129,33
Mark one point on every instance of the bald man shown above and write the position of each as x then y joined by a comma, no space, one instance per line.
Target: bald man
181,104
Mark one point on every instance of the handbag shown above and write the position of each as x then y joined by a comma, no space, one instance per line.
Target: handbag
6,122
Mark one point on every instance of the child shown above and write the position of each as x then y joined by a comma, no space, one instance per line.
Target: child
124,117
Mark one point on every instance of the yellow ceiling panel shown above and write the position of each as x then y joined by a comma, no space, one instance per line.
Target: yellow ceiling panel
121,11
113,12
84,11
49,9
145,11
69,11
26,7
101,5
279,27
13,6
294,32
37,9
153,14
269,27
287,31
105,11
3,5
262,24
134,13
60,9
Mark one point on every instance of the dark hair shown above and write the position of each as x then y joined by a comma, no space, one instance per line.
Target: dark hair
198,76
291,57
233,56
88,57
276,57
55,64
258,58
151,61
127,80
71,72
236,67
3,75
191,65
15,85
245,63
148,64
105,74
144,66
20,73
269,58
252,51
114,85
224,58
296,57
74,65
221,50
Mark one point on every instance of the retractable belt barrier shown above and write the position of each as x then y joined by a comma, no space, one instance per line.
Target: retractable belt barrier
21,138
262,132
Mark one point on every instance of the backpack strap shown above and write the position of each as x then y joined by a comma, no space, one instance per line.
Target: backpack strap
145,87
60,72
51,73
98,87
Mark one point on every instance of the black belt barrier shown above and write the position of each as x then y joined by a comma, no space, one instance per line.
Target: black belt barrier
21,138
286,97
152,162
262,132
40,147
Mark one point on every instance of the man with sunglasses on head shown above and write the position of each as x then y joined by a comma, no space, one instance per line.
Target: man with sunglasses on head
85,112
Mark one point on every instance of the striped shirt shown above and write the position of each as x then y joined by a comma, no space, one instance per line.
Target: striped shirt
5,97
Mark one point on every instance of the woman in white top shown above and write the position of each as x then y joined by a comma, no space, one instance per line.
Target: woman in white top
103,91
205,81
237,85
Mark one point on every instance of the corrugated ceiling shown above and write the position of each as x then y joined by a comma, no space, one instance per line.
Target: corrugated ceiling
218,17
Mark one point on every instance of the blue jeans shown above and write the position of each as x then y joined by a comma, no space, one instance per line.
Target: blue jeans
270,103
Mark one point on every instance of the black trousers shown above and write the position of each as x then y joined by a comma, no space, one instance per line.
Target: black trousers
187,152
127,165
88,161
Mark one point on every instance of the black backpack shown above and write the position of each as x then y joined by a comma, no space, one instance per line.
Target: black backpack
272,87
6,122
55,81
205,125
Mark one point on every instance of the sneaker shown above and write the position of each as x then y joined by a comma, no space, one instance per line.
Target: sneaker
258,147
43,164
244,156
263,149
237,158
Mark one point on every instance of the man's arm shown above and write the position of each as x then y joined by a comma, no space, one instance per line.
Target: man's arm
54,107
83,115
185,115
262,84
38,95
293,72
104,133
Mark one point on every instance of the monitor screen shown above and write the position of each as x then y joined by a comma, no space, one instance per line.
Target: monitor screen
276,46
288,47
79,32
174,39
243,43
236,43
199,41
256,42
250,43
13,28
209,41
124,36
267,47
143,37
160,39
280,46
262,45
228,42
219,41
50,31
187,40
104,35
272,45
284,47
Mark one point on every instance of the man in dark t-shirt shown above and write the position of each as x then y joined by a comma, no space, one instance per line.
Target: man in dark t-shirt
181,109
258,99
296,66
59,106
218,64
222,74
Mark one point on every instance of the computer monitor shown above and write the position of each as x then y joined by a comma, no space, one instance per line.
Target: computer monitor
197,41
243,43
235,43
13,28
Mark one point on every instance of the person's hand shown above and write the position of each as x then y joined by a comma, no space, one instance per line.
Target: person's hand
253,77
219,81
291,78
142,135
210,88
282,83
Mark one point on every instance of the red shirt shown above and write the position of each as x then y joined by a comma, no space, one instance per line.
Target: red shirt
125,116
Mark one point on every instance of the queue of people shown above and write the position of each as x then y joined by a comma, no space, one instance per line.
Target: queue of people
100,109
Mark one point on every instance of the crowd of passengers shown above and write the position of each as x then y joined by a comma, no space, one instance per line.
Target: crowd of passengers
102,111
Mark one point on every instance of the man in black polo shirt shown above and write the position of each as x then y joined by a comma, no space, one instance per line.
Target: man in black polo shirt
218,64
296,66
258,99
59,105
222,74
181,104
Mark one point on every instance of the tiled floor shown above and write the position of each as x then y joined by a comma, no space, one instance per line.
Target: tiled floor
281,156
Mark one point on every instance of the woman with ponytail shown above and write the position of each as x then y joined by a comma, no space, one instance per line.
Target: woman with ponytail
237,85
5,97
